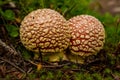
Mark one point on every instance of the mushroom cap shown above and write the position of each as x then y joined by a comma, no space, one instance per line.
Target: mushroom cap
44,29
88,35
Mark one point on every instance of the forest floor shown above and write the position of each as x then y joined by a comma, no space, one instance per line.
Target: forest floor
14,66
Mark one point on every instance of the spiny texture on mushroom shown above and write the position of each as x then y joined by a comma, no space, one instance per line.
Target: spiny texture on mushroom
44,29
88,35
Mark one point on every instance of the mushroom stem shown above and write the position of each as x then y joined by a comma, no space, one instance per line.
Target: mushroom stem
36,56
55,57
76,58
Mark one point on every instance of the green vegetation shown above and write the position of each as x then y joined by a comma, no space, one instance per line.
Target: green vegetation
106,68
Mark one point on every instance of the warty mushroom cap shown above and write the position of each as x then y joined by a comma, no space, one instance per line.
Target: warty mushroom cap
45,29
88,35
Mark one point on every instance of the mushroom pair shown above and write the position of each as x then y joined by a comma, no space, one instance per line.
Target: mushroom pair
48,32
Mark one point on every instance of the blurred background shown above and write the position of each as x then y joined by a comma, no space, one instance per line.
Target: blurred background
111,6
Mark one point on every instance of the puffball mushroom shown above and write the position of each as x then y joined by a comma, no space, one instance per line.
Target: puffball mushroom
47,30
88,37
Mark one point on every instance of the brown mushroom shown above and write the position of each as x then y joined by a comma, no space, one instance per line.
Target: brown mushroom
88,37
47,30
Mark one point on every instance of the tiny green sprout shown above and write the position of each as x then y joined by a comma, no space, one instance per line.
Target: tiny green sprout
107,71
12,30
9,15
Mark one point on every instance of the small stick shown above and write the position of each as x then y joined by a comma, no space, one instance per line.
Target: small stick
40,55
7,48
13,65
55,66
48,66
115,77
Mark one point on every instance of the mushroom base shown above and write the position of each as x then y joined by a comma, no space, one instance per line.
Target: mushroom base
55,57
80,59
76,58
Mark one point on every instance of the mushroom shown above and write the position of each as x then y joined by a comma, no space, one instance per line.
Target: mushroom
45,31
88,37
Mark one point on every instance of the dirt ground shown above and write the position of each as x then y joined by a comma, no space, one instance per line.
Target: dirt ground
112,6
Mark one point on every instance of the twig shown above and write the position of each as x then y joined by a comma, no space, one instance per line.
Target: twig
13,65
49,66
40,55
7,48
115,77
55,66
31,62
